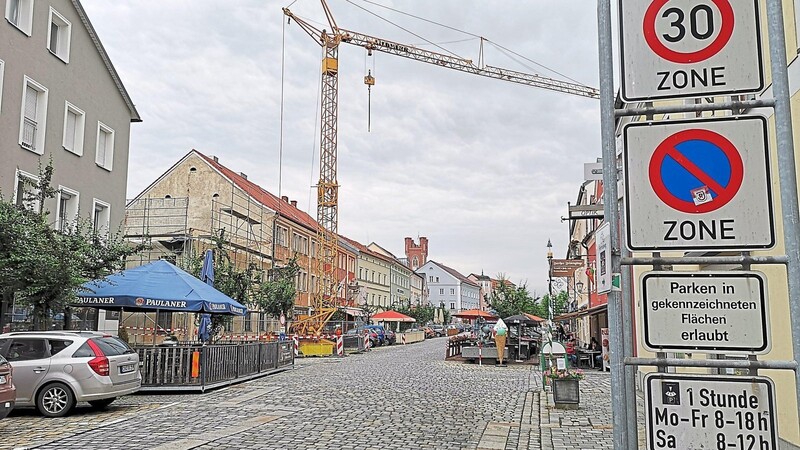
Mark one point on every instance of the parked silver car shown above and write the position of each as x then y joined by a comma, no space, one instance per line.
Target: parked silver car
53,370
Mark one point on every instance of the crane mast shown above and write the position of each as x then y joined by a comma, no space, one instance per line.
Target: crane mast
326,289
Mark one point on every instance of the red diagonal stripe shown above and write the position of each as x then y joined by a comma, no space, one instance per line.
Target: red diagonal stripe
695,171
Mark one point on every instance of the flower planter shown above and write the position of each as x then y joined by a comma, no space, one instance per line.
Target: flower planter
566,393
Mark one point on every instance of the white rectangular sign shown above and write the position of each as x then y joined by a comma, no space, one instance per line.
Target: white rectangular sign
593,171
699,184
689,48
603,260
690,412
719,312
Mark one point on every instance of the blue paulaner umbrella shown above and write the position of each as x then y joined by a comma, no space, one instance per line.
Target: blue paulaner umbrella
206,275
158,286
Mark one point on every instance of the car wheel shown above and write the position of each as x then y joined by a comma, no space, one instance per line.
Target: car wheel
102,404
55,400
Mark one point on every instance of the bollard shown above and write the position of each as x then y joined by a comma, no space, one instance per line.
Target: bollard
403,338
296,343
366,341
339,346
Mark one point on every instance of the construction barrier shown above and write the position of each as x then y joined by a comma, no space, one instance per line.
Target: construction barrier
411,336
403,338
367,343
339,346
296,344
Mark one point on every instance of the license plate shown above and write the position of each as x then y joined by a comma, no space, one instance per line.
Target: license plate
127,368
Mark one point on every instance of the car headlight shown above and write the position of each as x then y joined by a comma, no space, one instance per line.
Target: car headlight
3,379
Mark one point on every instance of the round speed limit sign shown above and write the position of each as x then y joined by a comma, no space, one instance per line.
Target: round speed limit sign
689,48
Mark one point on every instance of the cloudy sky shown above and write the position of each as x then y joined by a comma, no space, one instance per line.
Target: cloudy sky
483,168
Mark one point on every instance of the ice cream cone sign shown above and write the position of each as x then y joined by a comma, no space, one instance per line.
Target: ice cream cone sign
500,330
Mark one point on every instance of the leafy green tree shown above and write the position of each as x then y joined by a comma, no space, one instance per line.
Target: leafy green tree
560,304
277,293
508,300
44,267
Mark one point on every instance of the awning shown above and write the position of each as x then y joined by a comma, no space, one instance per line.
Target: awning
581,313
392,316
355,312
475,314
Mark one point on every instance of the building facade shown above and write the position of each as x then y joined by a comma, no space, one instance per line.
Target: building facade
374,277
449,288
62,100
400,277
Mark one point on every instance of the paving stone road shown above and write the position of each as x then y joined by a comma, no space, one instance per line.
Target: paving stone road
396,397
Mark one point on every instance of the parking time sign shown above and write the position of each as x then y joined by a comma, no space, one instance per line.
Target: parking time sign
689,48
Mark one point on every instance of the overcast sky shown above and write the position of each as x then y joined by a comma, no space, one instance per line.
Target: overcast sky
483,168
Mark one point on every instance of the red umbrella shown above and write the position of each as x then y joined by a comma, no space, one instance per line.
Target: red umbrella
474,314
534,317
393,316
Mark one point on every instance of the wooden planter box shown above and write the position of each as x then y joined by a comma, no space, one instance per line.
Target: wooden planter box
566,393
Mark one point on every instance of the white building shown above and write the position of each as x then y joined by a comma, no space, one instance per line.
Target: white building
448,287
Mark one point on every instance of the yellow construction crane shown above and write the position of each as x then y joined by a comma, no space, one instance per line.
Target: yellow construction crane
325,292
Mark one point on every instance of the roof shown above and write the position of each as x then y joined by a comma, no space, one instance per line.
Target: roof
455,273
261,195
365,250
106,60
481,277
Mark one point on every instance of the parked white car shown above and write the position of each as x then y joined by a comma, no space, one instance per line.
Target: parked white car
53,370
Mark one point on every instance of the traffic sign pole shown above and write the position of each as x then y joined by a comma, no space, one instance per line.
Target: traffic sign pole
622,394
787,172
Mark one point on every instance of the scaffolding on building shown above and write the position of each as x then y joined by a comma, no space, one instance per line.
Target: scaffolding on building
177,230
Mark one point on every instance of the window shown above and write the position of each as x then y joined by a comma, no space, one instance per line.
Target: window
101,217
262,321
164,321
33,117
67,209
20,14
437,279
59,35
26,191
248,321
441,291
282,238
58,345
452,305
430,279
105,146
26,350
452,291
313,248
74,121
300,243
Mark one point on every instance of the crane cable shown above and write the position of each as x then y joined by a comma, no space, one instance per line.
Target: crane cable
280,133
314,146
495,44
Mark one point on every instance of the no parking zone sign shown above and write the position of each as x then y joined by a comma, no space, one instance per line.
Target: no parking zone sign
700,184
689,48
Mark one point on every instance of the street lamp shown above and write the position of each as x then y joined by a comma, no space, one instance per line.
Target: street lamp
550,280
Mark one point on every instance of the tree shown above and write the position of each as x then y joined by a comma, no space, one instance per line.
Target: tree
508,300
276,294
560,304
44,267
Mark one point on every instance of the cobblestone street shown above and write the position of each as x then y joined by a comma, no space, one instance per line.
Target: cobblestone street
391,398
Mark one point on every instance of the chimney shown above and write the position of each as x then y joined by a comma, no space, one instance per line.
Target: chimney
244,175
216,160
285,198
294,203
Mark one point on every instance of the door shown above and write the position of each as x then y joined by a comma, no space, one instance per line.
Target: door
30,358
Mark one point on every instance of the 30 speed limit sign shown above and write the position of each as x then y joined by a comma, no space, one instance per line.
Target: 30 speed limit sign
689,48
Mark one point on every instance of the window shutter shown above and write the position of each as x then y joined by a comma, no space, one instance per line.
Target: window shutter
69,130
31,98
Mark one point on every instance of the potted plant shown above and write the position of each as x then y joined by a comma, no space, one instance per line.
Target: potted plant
566,386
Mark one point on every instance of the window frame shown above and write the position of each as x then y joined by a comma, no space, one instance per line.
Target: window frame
21,173
2,72
25,15
108,162
80,129
73,195
64,29
41,115
107,207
